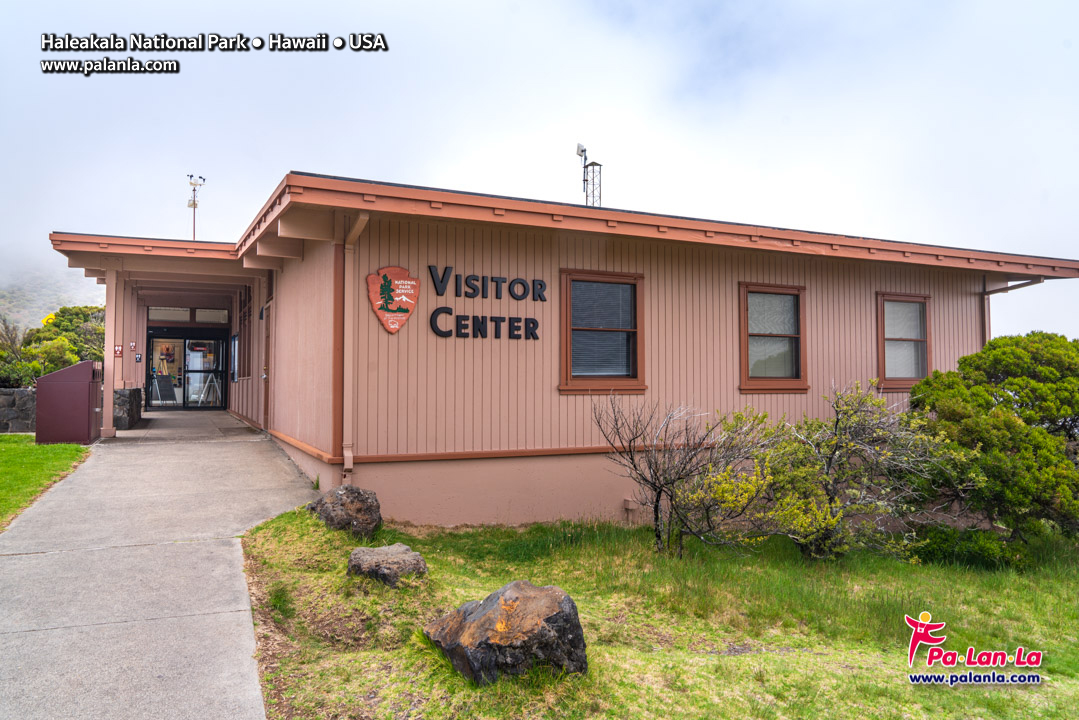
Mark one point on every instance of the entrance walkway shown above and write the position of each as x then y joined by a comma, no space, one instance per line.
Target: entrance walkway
122,592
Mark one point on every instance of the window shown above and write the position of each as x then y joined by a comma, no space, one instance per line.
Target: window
773,354
203,315
602,337
903,351
169,314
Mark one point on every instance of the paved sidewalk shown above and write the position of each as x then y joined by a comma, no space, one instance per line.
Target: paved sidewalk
122,592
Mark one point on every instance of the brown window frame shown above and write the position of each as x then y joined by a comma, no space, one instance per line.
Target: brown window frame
570,385
889,383
750,385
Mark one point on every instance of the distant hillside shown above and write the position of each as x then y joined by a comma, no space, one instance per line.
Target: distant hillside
33,295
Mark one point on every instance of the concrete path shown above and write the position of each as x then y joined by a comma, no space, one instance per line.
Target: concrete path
122,592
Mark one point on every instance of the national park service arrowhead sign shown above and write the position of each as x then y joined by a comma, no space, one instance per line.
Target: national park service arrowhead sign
393,296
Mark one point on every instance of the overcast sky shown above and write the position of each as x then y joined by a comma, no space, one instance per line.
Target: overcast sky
949,123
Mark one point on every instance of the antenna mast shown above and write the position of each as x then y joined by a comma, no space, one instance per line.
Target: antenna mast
591,178
193,203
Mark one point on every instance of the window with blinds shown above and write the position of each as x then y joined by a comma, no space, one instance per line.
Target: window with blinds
604,329
601,331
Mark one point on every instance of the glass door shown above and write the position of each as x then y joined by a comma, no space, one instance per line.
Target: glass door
166,372
203,374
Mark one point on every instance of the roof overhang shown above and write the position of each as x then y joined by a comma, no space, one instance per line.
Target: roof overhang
307,207
157,270
300,208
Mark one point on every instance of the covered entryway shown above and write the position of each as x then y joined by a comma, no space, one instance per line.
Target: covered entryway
184,321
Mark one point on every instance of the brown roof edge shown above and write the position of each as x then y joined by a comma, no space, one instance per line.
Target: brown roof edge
448,204
64,243
272,208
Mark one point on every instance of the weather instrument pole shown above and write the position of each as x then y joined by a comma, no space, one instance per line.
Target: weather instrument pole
193,203
591,178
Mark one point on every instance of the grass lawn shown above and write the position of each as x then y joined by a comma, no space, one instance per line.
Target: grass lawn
715,634
28,469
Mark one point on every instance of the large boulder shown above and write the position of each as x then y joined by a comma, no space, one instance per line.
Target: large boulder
512,629
349,508
386,564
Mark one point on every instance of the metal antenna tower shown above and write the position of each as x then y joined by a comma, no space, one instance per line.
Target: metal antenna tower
591,178
193,203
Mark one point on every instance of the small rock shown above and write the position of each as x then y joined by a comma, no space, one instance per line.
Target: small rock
349,508
386,564
511,630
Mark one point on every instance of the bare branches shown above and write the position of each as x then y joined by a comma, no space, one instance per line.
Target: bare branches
862,477
11,339
698,475
656,447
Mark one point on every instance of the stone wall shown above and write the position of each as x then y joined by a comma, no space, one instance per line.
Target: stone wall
126,408
18,410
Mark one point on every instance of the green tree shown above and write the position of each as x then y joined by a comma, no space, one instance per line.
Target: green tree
15,371
385,291
1024,473
83,326
52,355
1035,375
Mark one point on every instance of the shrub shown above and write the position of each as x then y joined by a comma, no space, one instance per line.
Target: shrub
859,478
1024,472
657,447
52,355
727,504
19,374
83,326
676,459
1036,376
970,547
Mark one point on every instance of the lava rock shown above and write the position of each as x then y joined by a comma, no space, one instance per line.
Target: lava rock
512,629
386,564
349,508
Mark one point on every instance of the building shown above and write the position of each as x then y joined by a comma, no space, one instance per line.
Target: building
478,409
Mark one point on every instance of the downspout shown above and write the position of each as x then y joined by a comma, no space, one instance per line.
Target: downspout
338,361
985,300
1009,288
348,300
985,311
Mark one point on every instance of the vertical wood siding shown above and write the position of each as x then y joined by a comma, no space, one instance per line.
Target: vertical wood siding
301,363
419,393
246,394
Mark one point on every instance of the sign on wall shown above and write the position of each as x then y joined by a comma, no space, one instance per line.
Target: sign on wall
393,294
512,327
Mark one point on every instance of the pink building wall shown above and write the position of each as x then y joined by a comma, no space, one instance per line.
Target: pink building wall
421,394
463,430
301,381
433,415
